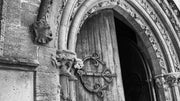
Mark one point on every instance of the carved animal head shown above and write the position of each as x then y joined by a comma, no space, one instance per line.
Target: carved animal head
78,64
42,32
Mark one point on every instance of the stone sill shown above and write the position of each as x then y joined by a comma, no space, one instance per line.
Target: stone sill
22,63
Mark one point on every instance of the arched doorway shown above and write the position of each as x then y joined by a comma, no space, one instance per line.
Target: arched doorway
136,73
105,34
151,26
97,46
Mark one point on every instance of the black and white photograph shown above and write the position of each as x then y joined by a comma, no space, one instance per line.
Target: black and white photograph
89,50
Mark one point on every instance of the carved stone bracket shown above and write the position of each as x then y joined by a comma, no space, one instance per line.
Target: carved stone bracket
41,29
169,79
67,62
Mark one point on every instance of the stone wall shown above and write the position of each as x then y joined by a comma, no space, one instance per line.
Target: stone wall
16,85
29,69
19,54
15,40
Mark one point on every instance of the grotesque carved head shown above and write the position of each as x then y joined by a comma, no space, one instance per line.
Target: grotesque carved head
42,32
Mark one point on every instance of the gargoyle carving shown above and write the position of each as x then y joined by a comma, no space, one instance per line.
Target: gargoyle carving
68,61
41,29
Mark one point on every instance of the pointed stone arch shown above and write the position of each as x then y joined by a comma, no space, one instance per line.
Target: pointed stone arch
154,19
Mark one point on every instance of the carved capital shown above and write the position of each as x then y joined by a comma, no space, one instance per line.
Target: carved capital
41,29
169,79
64,55
68,62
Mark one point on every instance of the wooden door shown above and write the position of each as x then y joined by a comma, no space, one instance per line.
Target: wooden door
100,78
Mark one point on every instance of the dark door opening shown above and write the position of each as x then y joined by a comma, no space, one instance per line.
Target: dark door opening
133,66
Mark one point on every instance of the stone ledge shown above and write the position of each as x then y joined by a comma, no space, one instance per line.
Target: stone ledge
19,61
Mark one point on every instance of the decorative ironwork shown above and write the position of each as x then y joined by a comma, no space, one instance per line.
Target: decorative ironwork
169,79
106,74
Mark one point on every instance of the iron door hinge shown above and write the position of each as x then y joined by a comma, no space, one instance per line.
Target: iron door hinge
106,74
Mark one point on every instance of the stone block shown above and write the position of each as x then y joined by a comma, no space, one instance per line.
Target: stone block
47,86
13,3
18,43
152,53
47,82
36,2
46,55
16,85
29,7
13,12
27,18
46,59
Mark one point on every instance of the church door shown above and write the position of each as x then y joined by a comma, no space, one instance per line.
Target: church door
114,68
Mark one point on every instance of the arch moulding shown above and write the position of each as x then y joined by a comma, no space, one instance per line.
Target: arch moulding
156,22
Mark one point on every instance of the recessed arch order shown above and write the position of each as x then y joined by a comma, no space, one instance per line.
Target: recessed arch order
150,18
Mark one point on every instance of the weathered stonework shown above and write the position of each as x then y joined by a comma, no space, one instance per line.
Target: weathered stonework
16,85
174,7
164,33
67,62
19,53
77,5
47,88
41,28
16,45
169,79
152,17
139,20
58,20
28,13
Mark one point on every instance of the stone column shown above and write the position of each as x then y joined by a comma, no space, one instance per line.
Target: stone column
169,81
67,63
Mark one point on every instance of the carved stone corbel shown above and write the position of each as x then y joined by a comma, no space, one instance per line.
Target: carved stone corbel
169,79
41,29
67,63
